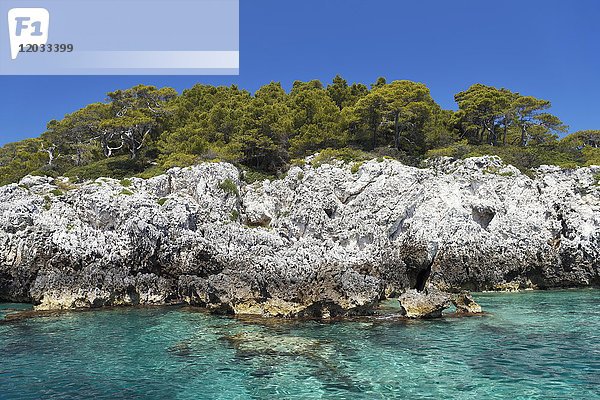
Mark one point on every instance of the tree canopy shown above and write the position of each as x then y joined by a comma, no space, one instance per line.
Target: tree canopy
156,128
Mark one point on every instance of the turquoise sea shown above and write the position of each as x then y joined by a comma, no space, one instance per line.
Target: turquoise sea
531,345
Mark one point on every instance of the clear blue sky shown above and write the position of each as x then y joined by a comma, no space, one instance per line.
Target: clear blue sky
545,48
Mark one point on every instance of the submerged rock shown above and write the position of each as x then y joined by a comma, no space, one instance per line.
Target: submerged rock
262,343
321,242
426,304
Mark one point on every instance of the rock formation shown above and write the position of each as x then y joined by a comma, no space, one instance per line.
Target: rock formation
320,242
427,304
465,304
430,303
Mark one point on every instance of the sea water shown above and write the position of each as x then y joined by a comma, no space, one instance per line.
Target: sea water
531,345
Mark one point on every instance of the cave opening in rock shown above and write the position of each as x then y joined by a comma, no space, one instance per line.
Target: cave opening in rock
422,278
483,217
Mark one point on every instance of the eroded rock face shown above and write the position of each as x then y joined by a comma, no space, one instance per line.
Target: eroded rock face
320,242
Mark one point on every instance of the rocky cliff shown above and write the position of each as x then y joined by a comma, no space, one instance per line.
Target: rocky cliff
321,242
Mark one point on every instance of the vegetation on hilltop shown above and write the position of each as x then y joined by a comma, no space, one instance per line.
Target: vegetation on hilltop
145,130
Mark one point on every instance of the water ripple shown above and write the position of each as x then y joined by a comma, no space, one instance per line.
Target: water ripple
536,345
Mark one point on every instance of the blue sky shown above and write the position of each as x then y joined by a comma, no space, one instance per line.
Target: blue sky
549,49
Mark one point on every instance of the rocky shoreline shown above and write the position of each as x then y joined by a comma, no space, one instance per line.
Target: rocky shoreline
324,241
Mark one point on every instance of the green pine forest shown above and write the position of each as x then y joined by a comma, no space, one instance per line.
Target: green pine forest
145,130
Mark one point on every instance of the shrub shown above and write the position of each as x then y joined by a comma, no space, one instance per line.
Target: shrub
345,155
57,192
64,186
228,186
234,216
161,202
456,150
47,202
506,173
151,172
126,192
126,183
115,167
524,158
356,166
251,175
591,155
178,160
299,162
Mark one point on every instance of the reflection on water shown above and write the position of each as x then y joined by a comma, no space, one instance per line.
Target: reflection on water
530,345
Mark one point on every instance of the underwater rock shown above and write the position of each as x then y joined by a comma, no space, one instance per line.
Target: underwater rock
426,304
262,343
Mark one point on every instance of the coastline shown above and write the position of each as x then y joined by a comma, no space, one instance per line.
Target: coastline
324,241
383,311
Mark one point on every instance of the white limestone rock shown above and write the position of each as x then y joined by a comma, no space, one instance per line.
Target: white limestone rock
320,242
